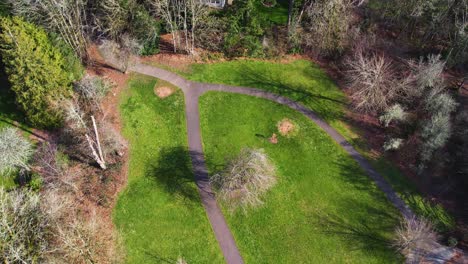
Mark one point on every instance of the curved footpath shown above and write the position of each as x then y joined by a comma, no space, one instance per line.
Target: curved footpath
192,91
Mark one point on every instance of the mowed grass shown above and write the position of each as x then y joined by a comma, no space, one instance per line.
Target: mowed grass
159,214
308,84
300,80
324,208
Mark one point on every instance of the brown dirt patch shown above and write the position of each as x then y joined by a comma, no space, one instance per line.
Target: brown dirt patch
163,91
273,139
286,127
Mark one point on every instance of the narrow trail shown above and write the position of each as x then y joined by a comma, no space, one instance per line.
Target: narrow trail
192,91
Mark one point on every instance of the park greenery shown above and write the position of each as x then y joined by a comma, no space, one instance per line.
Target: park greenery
95,165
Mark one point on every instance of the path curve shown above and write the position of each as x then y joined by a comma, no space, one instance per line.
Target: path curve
192,91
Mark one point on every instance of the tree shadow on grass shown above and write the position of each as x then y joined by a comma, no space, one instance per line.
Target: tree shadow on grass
351,173
362,227
364,223
172,171
159,259
277,84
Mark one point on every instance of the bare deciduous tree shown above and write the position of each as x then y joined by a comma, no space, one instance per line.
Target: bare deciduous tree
179,15
120,55
92,89
66,17
372,80
15,150
245,179
327,25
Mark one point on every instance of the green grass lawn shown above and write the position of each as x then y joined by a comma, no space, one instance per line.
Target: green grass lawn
324,208
159,214
308,84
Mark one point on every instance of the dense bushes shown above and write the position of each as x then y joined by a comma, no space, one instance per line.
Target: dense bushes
245,30
116,18
327,26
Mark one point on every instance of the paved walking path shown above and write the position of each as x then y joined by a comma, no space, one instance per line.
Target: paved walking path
192,91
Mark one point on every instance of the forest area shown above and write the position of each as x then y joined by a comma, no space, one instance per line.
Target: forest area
401,67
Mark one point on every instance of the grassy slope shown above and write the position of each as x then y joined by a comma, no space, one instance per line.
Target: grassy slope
323,209
159,214
305,82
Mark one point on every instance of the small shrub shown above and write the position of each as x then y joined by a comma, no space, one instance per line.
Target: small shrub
15,150
394,113
393,144
91,90
415,238
435,134
245,179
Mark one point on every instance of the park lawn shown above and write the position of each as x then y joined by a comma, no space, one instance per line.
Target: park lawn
324,208
305,82
159,214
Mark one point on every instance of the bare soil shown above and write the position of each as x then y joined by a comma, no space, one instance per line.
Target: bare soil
273,139
286,127
163,91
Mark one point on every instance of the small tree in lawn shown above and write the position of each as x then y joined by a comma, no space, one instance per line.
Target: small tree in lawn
245,179
15,150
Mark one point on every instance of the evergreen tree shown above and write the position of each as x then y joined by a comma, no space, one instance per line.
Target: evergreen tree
35,69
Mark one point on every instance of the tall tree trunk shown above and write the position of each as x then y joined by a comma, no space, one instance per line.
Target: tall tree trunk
290,12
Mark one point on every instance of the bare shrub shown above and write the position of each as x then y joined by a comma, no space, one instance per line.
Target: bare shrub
112,141
372,80
120,54
394,113
415,238
53,168
15,150
23,227
76,239
245,179
92,89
